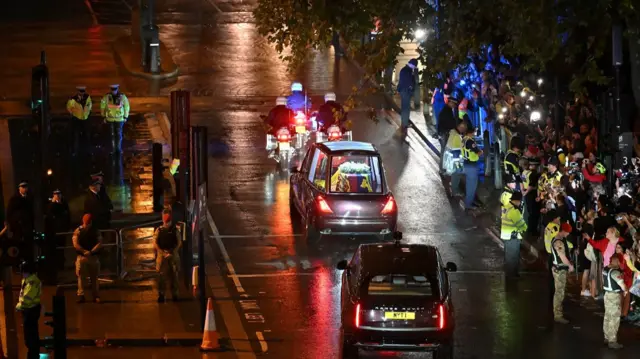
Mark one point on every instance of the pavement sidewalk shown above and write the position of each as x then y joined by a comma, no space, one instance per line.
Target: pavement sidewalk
129,314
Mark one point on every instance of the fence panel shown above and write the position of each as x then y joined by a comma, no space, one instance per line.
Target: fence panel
66,257
138,255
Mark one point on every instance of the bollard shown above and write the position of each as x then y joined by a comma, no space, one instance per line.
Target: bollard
157,177
59,324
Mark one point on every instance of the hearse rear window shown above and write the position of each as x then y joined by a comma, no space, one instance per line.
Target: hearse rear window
356,174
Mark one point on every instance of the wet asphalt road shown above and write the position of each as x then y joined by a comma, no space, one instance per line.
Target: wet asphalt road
291,287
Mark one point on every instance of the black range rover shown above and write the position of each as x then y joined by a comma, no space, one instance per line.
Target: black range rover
397,297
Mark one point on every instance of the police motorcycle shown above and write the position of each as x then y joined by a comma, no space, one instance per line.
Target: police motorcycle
279,143
301,126
279,147
329,131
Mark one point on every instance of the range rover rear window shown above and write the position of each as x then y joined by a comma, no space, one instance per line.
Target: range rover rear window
402,285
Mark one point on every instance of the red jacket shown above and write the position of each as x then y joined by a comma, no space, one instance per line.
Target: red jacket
597,178
602,244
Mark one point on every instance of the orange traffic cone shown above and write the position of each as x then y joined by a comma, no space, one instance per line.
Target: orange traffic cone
210,336
1,349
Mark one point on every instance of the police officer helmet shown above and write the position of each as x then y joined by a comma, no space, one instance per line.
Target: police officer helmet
27,267
329,96
296,86
281,101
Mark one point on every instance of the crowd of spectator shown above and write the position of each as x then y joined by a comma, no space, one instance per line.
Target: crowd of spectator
559,169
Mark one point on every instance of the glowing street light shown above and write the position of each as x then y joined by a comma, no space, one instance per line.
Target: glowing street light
49,172
420,34
535,116
540,81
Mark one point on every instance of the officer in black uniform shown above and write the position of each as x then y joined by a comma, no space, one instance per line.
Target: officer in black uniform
20,218
512,163
102,193
166,240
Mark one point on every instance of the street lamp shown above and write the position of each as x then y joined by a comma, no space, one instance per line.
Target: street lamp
540,81
49,172
420,34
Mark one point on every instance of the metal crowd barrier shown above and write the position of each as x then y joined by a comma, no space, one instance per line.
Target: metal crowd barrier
66,257
137,259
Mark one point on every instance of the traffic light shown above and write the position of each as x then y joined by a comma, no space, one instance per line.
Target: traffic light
11,251
39,88
59,324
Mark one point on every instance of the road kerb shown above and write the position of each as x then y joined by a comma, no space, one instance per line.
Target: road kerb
230,315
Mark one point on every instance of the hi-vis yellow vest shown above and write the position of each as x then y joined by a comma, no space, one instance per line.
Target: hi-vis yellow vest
511,221
77,110
114,108
468,154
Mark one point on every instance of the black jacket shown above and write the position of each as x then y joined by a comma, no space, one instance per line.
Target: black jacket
279,116
58,217
446,120
20,215
97,207
331,113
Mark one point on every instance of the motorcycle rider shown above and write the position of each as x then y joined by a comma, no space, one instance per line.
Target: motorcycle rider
331,112
298,101
279,116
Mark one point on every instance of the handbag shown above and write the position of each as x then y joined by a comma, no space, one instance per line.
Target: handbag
589,253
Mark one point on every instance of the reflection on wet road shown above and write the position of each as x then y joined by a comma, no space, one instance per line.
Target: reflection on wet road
290,288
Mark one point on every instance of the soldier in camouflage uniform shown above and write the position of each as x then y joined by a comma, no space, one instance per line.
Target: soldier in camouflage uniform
561,266
613,285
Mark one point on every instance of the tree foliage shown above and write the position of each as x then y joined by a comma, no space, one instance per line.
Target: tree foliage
563,37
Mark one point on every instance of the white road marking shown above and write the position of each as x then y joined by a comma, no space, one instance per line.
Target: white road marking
230,314
127,5
276,264
263,344
250,236
212,3
225,254
494,238
94,18
266,275
527,245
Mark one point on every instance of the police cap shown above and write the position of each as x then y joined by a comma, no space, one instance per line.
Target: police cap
27,267
553,161
533,161
57,191
81,88
97,174
23,184
516,196
553,214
